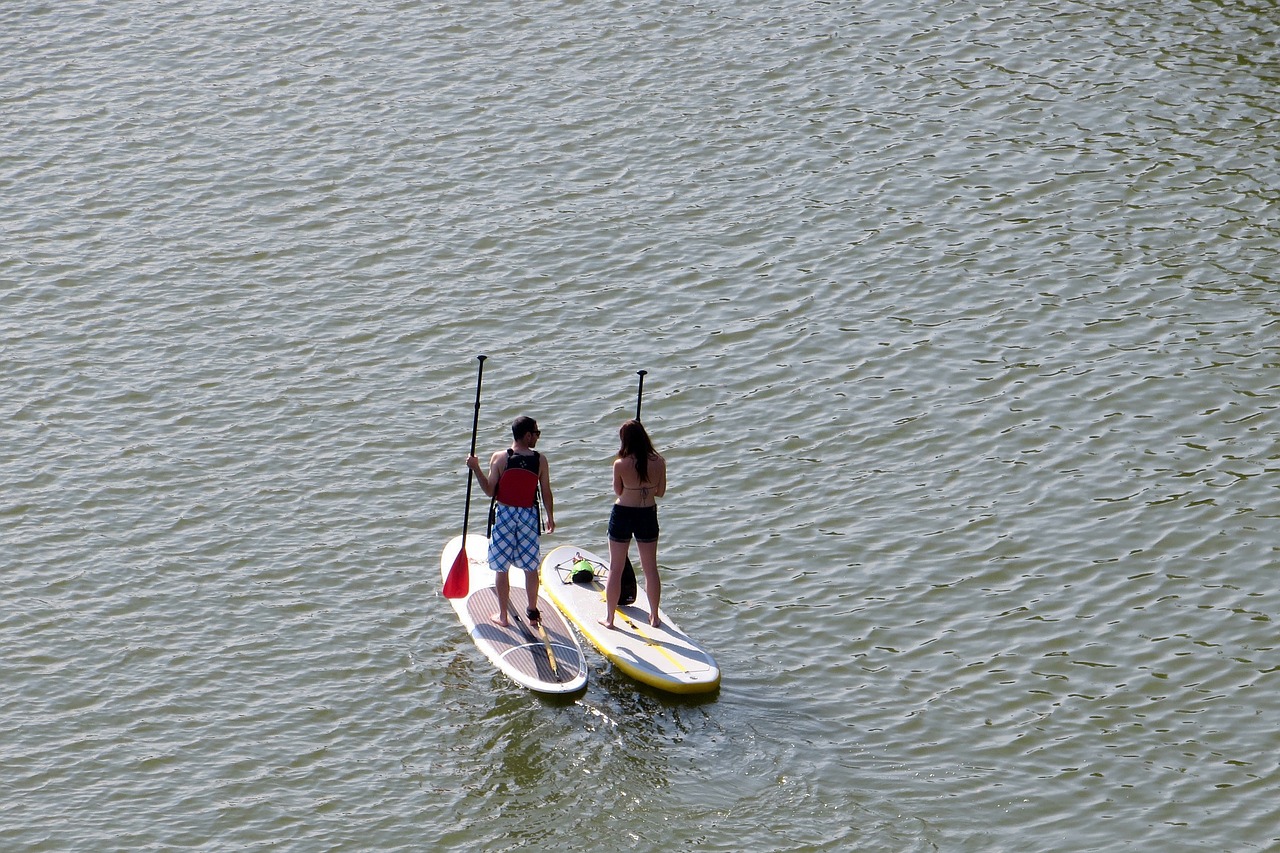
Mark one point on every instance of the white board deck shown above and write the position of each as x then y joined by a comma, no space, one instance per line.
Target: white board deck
555,664
665,657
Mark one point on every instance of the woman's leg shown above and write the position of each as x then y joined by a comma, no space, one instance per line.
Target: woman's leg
652,584
613,584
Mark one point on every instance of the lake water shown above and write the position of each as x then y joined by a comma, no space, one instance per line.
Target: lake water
961,330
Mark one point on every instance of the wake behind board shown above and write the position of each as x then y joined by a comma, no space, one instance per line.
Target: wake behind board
555,664
665,658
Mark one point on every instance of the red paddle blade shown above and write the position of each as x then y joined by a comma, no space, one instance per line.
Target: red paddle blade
457,583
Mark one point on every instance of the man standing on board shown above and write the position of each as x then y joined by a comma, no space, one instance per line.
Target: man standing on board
517,476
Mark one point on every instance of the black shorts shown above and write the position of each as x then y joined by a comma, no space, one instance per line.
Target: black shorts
638,521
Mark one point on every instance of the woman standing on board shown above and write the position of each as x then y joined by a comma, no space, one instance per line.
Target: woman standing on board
639,479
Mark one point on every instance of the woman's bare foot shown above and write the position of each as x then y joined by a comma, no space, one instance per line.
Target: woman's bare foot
500,619
655,622
607,623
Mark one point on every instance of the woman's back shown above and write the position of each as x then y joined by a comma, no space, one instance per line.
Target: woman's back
634,491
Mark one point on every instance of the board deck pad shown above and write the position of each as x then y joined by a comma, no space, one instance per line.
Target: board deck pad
518,650
665,657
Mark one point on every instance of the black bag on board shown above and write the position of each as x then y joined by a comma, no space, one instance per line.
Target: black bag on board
628,584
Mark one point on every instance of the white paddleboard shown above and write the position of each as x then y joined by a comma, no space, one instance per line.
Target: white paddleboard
665,657
553,663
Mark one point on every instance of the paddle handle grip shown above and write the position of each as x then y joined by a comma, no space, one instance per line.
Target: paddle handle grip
640,392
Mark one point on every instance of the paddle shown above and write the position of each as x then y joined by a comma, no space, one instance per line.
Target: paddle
629,588
457,584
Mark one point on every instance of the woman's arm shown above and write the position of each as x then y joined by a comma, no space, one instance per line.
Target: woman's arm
617,477
658,475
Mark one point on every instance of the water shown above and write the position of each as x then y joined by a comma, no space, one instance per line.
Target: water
960,324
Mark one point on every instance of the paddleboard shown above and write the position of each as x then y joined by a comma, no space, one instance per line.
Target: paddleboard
666,658
547,663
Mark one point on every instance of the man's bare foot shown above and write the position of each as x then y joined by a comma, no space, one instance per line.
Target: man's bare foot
500,619
655,622
607,623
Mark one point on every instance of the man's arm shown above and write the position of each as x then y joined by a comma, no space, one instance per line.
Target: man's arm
487,483
544,485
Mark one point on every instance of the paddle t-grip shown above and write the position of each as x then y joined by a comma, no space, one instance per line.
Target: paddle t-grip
640,392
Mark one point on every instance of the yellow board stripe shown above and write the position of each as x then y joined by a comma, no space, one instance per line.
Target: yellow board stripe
649,641
679,678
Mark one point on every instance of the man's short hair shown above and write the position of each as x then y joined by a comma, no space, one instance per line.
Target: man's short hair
522,425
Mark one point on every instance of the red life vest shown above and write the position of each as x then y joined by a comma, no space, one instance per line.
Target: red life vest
518,484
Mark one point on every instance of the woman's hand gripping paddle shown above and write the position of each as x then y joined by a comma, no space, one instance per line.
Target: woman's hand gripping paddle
458,583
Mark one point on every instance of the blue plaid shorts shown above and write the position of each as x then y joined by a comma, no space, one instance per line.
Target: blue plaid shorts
515,539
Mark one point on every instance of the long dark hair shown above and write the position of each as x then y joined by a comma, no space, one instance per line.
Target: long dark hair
636,444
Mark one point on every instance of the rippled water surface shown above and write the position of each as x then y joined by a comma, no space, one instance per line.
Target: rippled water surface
960,324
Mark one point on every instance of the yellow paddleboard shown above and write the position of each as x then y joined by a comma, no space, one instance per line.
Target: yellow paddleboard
664,657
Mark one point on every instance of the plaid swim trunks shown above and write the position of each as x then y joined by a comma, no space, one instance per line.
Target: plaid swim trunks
515,539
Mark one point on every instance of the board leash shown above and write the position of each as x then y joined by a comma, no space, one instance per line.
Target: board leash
551,656
546,644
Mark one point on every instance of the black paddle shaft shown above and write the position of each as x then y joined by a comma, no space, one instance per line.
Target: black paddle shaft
475,426
640,392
